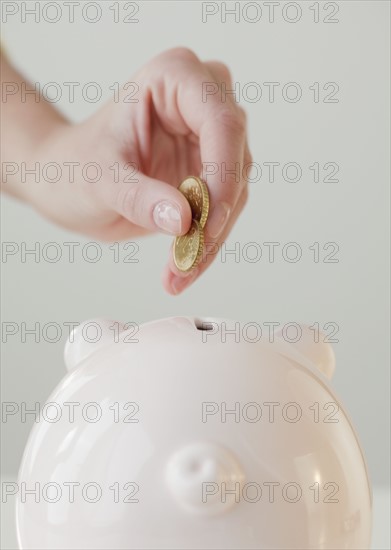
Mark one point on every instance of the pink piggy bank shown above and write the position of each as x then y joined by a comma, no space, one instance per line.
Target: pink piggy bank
187,433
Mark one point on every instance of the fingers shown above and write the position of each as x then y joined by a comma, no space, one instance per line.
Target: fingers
212,115
174,281
227,149
190,101
203,104
222,143
153,205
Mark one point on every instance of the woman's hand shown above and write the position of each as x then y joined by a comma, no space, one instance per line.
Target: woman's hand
142,151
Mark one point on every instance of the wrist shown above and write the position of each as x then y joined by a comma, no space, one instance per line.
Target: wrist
22,174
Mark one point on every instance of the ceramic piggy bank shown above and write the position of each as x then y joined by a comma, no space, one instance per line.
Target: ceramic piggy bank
193,433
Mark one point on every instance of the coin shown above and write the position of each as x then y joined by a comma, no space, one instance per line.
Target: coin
187,250
196,192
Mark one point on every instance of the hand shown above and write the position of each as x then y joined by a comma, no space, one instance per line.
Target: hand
155,143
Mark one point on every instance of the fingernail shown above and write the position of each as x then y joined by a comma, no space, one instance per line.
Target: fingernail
180,283
218,219
167,216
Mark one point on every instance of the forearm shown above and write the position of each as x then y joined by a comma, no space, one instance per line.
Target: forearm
27,120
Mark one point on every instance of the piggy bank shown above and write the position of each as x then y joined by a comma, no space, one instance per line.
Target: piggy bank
193,433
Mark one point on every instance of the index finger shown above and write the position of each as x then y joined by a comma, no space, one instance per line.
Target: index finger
221,128
194,101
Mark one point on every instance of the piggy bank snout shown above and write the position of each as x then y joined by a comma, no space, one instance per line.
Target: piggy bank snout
199,476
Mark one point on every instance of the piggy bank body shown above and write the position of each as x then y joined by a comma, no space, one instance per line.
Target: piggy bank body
174,435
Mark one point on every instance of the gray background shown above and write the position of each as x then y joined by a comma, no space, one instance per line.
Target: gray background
353,212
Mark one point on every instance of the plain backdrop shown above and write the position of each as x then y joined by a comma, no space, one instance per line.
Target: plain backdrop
351,293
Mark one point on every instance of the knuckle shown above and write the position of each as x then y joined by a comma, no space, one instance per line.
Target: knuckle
242,113
232,121
182,53
224,70
248,158
231,184
247,167
129,200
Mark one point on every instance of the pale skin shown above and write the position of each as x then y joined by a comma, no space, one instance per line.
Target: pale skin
168,134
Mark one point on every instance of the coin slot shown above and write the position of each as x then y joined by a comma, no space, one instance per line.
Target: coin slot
202,325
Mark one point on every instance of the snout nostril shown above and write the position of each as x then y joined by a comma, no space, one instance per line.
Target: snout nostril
202,325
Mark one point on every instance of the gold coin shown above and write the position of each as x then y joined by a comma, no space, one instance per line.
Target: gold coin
188,248
196,192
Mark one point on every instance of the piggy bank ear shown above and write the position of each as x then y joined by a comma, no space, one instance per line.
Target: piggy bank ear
87,338
313,346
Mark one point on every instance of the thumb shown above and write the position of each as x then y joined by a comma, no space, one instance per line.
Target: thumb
153,204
